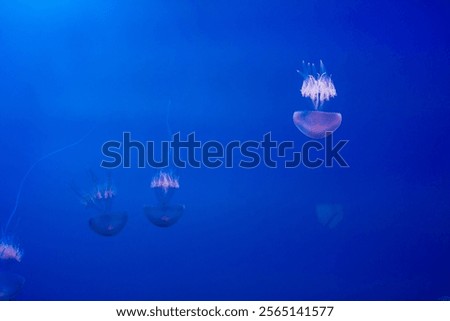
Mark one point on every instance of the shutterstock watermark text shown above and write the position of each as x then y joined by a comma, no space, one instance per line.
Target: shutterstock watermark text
187,151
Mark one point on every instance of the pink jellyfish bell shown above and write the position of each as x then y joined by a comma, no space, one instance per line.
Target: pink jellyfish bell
319,88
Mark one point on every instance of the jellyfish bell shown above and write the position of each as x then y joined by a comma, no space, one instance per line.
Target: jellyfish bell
108,224
319,88
164,185
317,124
10,285
164,215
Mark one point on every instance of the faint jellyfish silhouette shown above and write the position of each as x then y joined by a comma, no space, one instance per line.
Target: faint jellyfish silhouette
329,215
10,285
108,224
164,215
164,185
105,222
319,88
10,251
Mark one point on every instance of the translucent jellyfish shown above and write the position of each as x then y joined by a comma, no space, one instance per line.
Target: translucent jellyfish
329,215
105,222
10,251
10,285
164,185
164,215
108,224
319,87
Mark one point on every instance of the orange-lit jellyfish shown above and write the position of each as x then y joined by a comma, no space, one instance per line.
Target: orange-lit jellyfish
105,221
164,184
319,87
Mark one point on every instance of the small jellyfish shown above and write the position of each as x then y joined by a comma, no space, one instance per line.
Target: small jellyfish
164,185
329,215
108,224
10,285
319,88
164,215
105,222
10,251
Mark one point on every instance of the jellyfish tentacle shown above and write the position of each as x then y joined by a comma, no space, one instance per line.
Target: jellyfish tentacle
322,67
318,86
24,178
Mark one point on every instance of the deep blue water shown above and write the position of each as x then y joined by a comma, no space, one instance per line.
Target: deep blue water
229,70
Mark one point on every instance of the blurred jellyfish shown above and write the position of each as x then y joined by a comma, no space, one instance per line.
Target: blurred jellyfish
329,215
164,185
105,222
164,215
10,285
10,251
319,87
108,224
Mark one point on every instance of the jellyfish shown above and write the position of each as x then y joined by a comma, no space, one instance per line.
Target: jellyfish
164,184
108,224
105,222
10,285
10,251
164,215
329,215
319,87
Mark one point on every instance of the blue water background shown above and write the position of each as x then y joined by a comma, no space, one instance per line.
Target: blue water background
229,70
